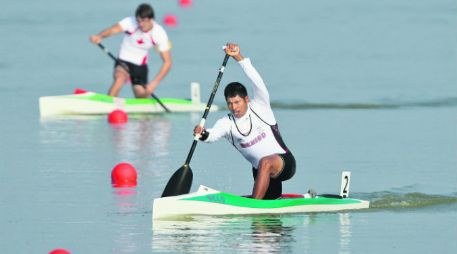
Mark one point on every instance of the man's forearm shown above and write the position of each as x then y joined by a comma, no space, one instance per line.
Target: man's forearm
116,28
166,66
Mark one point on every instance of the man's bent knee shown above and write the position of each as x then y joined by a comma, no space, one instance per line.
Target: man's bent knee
265,163
271,164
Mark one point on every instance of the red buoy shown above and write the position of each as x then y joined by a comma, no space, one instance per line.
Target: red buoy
170,20
59,251
123,175
79,91
185,3
117,117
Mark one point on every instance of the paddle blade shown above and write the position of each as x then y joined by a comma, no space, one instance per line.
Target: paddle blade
179,183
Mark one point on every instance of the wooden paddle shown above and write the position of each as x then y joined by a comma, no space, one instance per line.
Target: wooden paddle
123,65
181,181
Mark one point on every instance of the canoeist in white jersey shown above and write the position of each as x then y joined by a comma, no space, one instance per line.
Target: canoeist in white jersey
141,34
252,129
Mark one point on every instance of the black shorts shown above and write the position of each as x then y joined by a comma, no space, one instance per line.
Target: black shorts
274,190
138,73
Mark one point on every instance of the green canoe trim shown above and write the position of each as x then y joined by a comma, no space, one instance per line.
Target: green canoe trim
131,101
143,101
234,200
94,97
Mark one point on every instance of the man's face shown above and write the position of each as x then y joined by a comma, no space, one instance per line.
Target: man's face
145,24
238,105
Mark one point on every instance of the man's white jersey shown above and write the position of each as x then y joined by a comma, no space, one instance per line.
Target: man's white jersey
136,43
255,135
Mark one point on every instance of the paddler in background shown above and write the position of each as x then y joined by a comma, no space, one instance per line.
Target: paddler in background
142,33
252,129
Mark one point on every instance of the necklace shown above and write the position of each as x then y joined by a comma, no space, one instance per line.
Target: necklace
250,127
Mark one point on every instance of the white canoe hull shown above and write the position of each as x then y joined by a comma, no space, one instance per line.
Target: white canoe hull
90,103
207,201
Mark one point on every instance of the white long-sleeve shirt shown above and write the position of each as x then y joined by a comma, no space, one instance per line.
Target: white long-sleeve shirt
256,134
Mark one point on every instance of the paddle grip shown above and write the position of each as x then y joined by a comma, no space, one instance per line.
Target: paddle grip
201,124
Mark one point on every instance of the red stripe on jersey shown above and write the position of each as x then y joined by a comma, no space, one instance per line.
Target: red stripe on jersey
145,60
152,40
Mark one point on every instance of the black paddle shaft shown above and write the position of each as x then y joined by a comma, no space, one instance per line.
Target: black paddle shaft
181,181
208,106
126,68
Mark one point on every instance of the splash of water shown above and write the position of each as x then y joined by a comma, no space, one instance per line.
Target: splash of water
392,200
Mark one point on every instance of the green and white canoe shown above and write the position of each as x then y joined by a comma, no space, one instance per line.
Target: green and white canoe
207,201
90,103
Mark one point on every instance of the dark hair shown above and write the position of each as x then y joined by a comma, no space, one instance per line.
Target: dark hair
235,88
144,11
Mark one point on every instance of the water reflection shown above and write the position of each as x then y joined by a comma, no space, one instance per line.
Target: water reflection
270,235
254,234
126,225
142,136
125,199
143,141
345,233
72,131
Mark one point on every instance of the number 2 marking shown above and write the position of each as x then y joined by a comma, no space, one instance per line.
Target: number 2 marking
345,191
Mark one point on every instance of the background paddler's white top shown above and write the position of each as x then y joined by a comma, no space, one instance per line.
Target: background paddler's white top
255,135
136,43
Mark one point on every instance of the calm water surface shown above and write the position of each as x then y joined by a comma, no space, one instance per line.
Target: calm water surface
365,86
